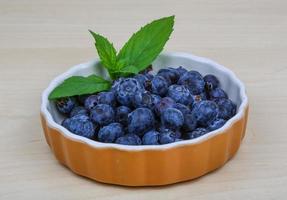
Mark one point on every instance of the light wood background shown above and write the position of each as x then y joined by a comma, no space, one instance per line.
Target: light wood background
41,39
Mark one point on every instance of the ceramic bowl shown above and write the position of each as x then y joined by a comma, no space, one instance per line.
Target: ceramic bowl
155,164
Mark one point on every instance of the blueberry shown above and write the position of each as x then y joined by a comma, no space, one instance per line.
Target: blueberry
181,70
170,74
217,93
151,138
80,125
164,103
78,110
129,139
159,85
110,133
199,97
140,121
211,82
205,112
126,90
193,81
144,81
91,102
196,133
216,124
122,114
172,118
190,122
167,136
149,76
116,83
182,108
227,108
107,98
142,100
102,114
65,105
180,94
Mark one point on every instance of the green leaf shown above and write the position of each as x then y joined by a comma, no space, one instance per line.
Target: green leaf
78,85
145,45
106,51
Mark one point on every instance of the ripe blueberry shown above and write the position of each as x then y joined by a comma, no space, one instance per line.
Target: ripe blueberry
110,133
102,114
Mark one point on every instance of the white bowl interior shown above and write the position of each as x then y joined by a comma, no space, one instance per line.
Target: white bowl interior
229,82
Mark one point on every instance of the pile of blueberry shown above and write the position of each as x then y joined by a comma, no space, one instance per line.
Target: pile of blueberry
173,105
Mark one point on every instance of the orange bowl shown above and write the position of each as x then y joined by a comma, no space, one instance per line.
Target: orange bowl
154,164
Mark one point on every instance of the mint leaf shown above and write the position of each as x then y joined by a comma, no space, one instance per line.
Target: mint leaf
78,85
106,51
145,45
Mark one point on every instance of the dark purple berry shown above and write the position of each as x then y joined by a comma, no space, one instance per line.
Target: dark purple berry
78,110
211,82
159,85
151,138
140,121
216,124
80,125
205,112
107,98
91,102
172,118
167,136
180,94
217,93
164,103
129,139
227,108
102,114
122,114
126,90
110,133
196,133
65,105
170,74
193,81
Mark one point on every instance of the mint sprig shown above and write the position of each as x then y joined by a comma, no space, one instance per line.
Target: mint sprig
79,85
139,51
135,56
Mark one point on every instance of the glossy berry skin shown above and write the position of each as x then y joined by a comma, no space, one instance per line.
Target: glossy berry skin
181,70
65,105
151,138
142,100
227,108
78,110
110,133
205,112
164,103
193,81
107,98
144,81
102,114
91,102
140,121
196,133
159,85
171,75
80,125
122,114
190,122
217,93
182,108
180,94
167,136
129,139
126,90
211,82
216,124
172,118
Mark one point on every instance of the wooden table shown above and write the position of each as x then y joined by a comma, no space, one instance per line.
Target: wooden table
41,39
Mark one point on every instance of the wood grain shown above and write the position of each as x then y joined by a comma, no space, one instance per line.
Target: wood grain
41,39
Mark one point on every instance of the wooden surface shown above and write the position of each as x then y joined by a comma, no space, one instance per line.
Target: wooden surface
41,39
